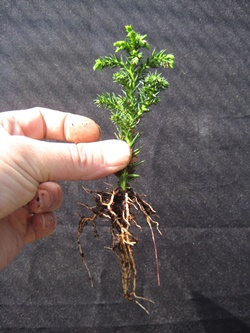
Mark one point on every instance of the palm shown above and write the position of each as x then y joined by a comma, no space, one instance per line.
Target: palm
14,233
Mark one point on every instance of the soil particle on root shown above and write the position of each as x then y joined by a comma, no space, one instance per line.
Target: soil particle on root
122,209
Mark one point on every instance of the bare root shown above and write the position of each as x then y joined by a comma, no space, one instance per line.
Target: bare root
122,209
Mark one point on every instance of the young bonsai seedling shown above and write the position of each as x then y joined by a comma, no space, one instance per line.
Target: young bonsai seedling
122,206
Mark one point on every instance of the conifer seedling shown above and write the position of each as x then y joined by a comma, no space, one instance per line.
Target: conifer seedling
121,206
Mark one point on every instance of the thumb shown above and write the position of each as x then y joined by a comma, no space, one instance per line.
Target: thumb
82,161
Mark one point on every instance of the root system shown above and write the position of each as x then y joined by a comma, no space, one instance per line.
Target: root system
122,209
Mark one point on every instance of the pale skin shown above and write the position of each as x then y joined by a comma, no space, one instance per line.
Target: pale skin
30,167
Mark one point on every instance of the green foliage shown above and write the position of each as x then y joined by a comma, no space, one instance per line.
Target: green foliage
140,87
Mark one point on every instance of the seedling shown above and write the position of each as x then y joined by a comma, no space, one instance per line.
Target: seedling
122,206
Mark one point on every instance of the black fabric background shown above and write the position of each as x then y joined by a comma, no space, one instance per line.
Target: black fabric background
196,175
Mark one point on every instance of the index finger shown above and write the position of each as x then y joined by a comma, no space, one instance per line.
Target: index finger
41,123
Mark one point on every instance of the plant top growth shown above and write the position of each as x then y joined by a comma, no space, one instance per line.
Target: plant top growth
141,85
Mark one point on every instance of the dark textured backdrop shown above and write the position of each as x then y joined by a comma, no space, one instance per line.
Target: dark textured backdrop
196,143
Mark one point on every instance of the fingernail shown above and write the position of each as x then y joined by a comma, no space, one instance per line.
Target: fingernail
48,221
42,200
116,152
45,199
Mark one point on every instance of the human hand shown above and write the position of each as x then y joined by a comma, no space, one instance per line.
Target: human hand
29,168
